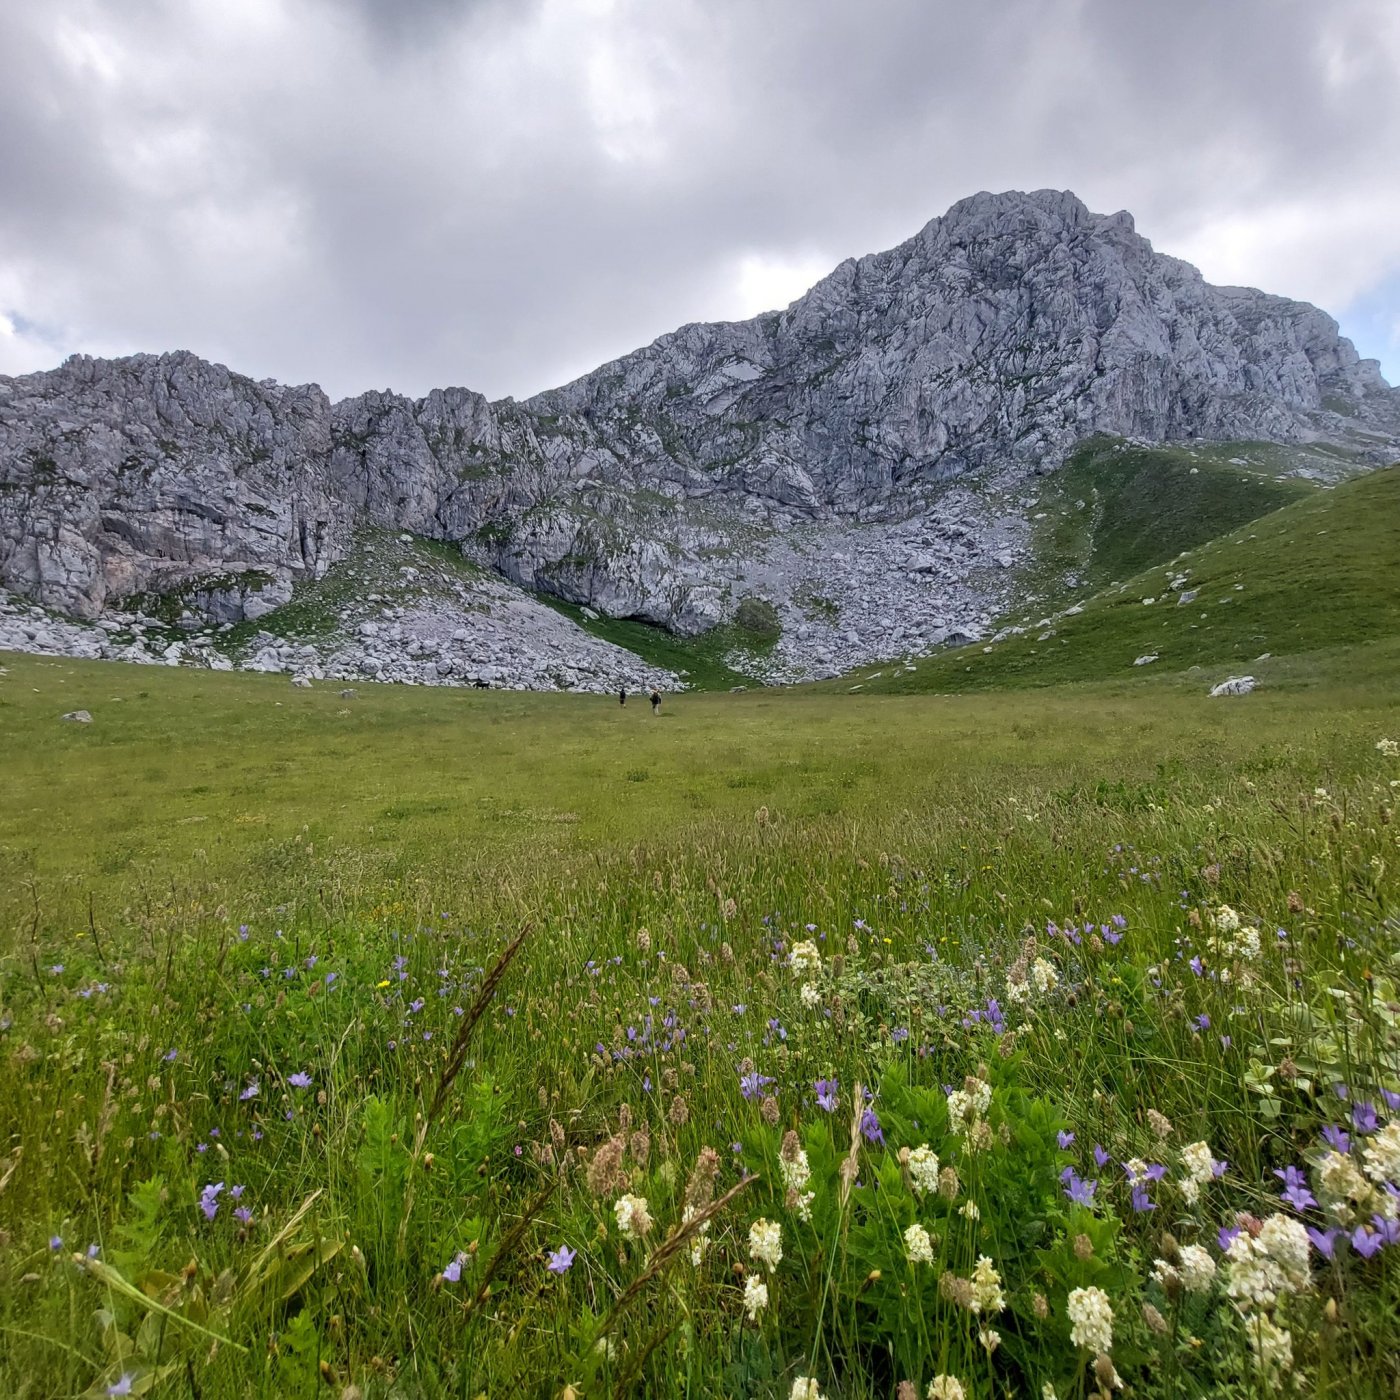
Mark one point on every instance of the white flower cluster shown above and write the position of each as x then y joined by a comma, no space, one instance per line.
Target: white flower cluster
946,1388
766,1243
755,1296
1041,977
805,1388
1344,1191
986,1287
700,1240
1044,977
1388,748
1233,937
796,1170
1091,1320
633,1218
1197,1169
968,1105
1194,1270
1380,1157
923,1170
1261,1270
1272,1347
918,1245
1225,919
1197,1269
805,960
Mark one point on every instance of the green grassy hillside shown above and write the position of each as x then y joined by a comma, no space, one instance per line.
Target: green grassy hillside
1115,509
1322,572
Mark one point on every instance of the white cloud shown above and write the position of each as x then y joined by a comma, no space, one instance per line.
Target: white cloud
771,281
505,192
1325,252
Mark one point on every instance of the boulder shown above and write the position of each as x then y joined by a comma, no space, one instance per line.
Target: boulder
1235,685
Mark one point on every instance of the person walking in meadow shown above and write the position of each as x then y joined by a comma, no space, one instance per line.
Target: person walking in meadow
622,696
656,702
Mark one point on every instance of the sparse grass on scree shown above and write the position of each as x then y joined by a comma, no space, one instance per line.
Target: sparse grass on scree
1322,572
277,1120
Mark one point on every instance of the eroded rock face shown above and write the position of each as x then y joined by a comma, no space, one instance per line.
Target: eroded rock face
119,477
998,337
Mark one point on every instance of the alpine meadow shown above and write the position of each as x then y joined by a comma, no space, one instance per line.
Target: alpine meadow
848,853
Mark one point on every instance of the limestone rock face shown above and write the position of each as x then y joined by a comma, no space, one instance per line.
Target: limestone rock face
1009,329
673,482
119,477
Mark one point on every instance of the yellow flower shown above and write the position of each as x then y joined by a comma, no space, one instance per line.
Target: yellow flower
379,986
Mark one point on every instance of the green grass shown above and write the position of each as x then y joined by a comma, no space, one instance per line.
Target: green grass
1323,572
374,564
1114,509
703,662
245,924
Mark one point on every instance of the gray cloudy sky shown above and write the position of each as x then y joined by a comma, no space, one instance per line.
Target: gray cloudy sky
505,193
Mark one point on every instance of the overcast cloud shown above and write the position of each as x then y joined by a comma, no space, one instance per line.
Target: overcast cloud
505,193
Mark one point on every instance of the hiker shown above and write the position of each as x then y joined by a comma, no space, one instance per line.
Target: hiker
656,702
622,696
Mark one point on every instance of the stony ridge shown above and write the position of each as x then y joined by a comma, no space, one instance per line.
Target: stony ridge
669,484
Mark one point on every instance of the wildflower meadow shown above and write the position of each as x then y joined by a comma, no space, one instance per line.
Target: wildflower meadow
1003,1047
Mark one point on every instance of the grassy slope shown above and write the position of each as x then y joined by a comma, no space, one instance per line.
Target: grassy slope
1113,510
701,661
1322,572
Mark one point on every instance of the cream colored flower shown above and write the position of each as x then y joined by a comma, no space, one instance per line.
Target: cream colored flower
633,1218
1197,1269
1260,1271
1091,1320
918,1245
1380,1157
946,1388
700,1240
1225,919
755,1296
1272,1347
986,1287
923,1169
1197,1162
766,1243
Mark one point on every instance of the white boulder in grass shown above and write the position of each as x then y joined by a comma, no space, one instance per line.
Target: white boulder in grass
1235,685
1146,660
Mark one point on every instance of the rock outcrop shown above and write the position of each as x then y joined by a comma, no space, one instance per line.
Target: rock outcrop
663,486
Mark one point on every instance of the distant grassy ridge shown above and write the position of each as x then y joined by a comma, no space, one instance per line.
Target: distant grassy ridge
1115,509
1321,572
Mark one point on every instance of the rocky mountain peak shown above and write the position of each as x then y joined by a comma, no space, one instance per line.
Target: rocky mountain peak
665,484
